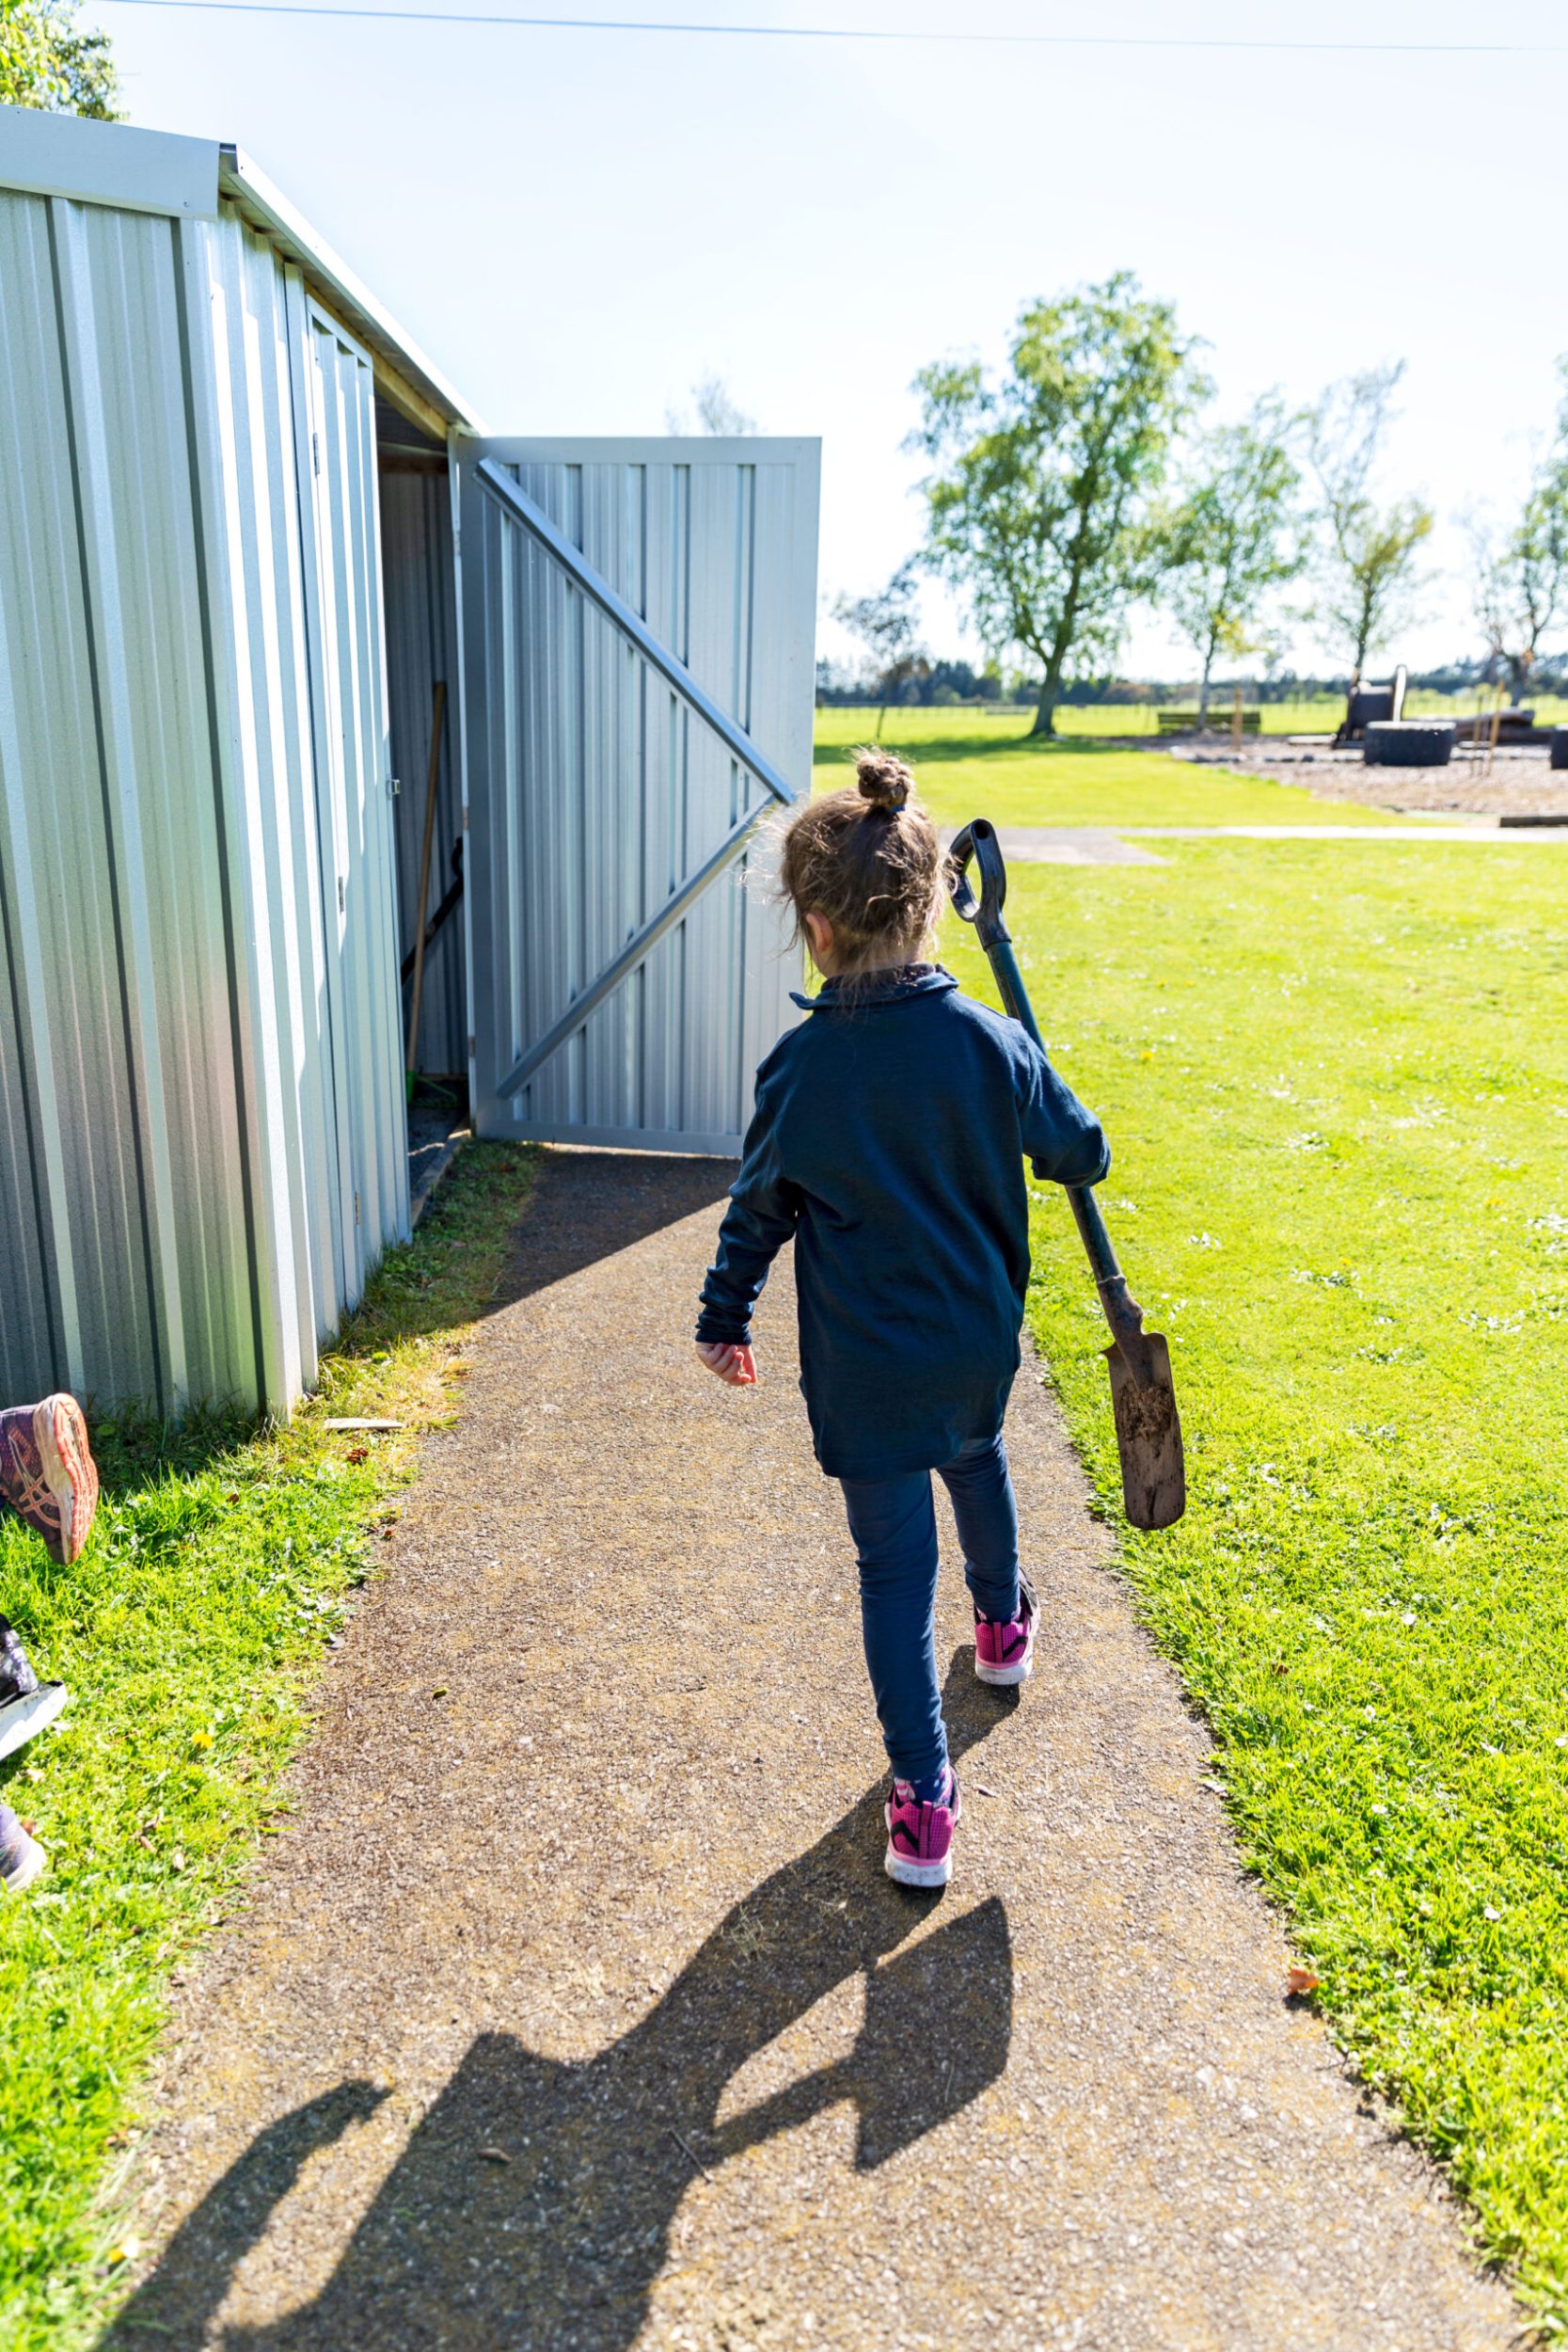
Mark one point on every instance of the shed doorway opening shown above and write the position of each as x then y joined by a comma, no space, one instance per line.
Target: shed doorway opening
419,583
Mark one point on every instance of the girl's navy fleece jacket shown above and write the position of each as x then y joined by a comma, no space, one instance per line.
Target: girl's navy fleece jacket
889,1137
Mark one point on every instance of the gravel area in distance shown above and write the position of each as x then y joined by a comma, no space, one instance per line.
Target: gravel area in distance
1522,782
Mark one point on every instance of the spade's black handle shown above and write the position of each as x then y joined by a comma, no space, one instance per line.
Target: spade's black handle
977,843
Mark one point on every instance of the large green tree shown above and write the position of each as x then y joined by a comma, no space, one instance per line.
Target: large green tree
1041,481
46,60
1231,536
1367,567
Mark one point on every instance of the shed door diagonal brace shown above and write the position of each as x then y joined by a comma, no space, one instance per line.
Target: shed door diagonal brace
526,510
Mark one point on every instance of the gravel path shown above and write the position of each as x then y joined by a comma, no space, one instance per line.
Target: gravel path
1521,782
573,2010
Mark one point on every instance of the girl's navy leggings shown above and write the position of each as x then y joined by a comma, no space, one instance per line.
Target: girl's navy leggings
894,1523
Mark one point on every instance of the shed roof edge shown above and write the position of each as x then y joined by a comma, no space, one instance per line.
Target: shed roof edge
265,207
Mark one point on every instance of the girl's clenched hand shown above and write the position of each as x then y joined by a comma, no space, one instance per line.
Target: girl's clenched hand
735,1365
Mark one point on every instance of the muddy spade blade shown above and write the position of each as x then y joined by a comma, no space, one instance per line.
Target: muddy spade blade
1143,1394
1148,1433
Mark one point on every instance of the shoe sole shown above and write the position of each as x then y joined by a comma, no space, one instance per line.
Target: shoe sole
31,1864
60,1434
905,1874
1005,1677
24,1718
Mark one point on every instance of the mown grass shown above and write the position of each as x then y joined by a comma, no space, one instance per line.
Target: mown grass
191,1632
1334,1078
968,767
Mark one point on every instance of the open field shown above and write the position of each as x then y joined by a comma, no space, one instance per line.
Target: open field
1334,1083
1321,715
190,1631
993,770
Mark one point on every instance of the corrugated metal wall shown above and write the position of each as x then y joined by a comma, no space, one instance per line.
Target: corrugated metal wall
416,537
593,792
179,1130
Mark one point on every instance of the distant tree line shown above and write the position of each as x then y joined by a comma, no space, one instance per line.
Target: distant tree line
1086,478
950,683
921,681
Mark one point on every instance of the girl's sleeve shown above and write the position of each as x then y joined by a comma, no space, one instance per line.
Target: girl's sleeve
1064,1141
764,1206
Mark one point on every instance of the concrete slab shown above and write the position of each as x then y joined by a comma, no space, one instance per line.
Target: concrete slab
1073,845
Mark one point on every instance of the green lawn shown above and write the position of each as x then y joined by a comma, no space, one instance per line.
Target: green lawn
190,1632
1334,1078
970,764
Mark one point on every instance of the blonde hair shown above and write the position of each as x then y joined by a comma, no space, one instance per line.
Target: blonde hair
869,860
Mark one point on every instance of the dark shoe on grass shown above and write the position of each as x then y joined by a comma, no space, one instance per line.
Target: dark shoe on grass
26,1705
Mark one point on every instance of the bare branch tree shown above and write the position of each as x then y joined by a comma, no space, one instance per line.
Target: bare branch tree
1367,569
887,626
717,413
1519,585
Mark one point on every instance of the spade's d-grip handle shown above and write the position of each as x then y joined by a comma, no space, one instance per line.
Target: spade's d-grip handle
978,842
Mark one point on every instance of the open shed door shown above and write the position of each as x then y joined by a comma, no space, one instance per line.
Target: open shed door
638,644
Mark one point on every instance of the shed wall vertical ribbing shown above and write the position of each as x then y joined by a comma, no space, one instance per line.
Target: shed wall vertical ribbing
594,791
171,1113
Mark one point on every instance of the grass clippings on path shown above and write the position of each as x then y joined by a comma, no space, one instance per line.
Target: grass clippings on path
1335,1085
191,1632
970,766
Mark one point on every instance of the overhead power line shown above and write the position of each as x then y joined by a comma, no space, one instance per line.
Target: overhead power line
871,33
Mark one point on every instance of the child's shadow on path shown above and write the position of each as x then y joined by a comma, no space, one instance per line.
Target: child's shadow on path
561,2247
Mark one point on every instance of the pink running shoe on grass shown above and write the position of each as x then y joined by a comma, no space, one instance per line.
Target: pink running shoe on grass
1005,1653
920,1836
47,1472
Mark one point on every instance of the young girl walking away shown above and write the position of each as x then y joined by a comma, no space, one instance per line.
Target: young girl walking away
888,1141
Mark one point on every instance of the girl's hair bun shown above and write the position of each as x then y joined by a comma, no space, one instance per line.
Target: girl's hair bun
884,780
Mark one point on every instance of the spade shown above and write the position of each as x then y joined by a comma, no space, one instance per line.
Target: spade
1143,1395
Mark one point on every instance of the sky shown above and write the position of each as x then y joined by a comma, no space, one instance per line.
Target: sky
576,224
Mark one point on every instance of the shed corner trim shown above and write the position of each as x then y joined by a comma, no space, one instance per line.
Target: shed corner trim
108,163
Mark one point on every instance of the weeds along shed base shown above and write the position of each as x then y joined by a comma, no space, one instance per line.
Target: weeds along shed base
247,530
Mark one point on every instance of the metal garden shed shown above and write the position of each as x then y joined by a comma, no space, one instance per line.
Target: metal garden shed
258,563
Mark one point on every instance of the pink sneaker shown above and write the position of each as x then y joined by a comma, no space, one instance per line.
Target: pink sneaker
47,1472
1005,1654
920,1836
